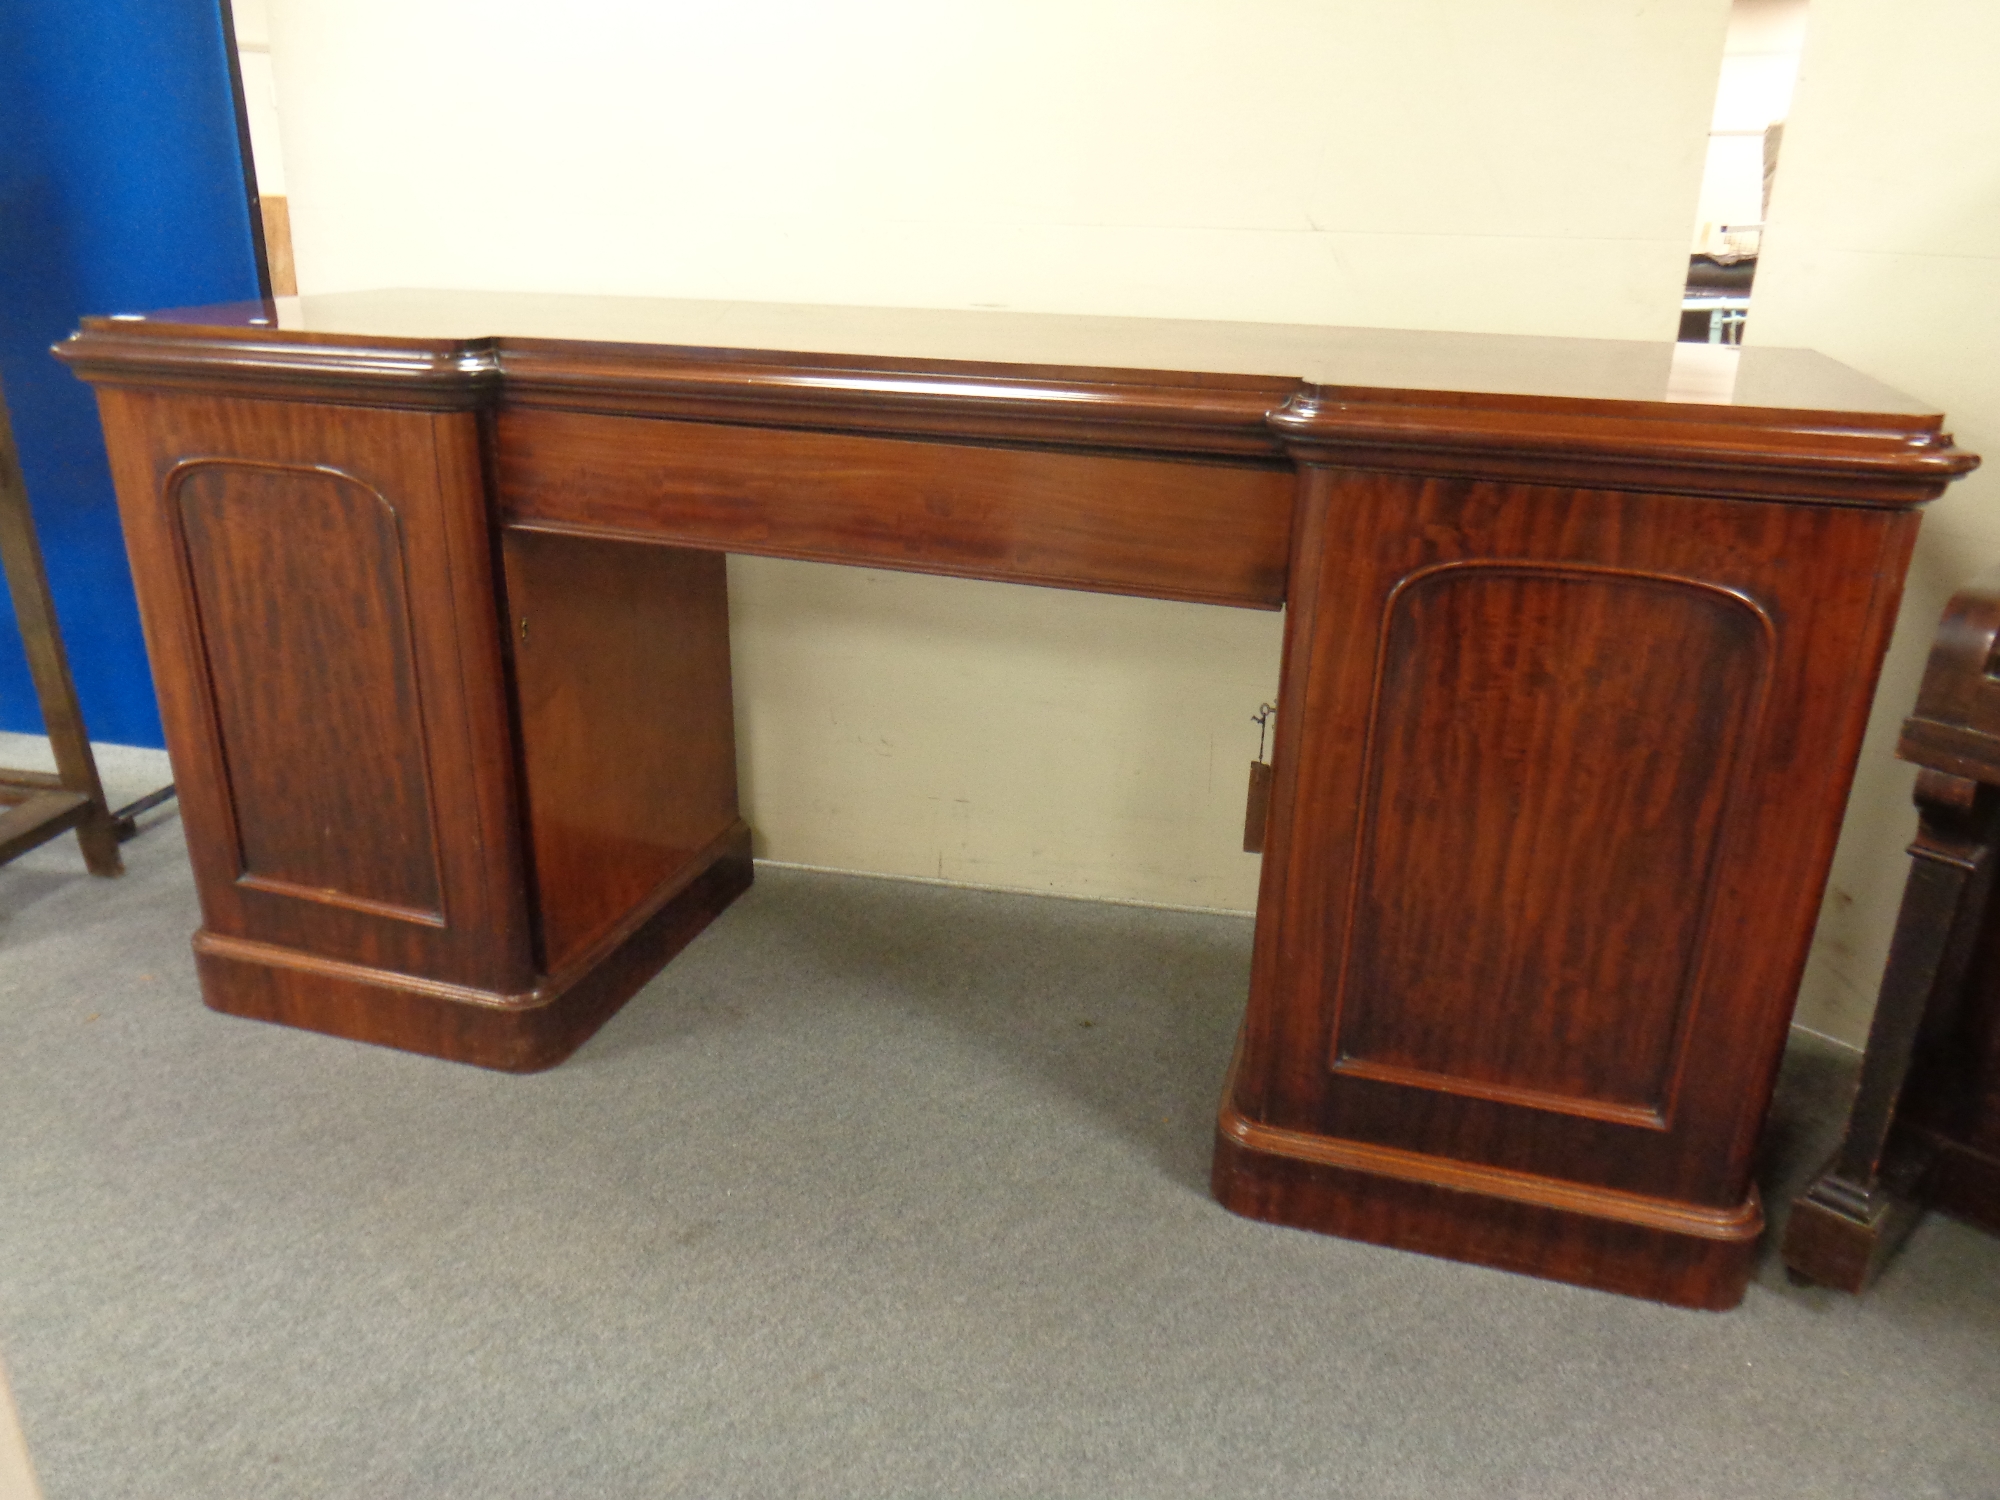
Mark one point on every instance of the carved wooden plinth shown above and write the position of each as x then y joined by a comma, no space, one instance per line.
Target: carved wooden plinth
1924,1123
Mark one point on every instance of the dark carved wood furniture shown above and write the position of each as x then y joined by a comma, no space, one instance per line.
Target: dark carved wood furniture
1924,1126
36,806
1580,641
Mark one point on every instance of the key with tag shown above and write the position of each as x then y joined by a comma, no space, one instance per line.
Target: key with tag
1257,807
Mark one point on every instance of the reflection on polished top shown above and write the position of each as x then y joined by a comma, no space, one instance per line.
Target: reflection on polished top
1561,369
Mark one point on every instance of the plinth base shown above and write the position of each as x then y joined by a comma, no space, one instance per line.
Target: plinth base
1684,1254
1840,1234
513,1033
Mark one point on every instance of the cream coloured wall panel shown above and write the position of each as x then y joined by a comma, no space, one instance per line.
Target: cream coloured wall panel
1435,164
1732,188
1884,251
650,148
1026,737
1489,283
252,21
261,109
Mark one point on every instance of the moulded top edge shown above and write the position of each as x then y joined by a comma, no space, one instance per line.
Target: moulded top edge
1490,365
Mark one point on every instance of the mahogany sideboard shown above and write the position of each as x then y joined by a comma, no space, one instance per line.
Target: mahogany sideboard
1580,641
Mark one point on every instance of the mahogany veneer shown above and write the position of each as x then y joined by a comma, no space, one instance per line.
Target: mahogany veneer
1580,641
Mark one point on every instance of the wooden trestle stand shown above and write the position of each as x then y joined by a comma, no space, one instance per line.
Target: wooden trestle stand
1924,1125
1580,642
36,806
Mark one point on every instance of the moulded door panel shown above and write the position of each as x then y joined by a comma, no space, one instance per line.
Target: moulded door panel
1532,697
316,583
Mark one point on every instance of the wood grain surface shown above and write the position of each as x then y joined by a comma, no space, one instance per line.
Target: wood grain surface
1213,533
1599,721
302,605
1580,642
621,667
1542,909
274,635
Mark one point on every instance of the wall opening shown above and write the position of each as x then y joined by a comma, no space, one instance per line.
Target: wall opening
1760,65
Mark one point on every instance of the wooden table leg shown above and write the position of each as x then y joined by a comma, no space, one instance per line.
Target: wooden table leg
1867,1197
42,807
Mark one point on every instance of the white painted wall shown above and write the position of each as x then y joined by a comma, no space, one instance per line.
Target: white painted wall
1760,63
1527,167
1884,251
260,98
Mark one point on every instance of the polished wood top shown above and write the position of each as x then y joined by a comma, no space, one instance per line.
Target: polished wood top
1371,358
1759,422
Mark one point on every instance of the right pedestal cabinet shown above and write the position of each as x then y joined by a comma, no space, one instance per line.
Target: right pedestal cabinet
1560,768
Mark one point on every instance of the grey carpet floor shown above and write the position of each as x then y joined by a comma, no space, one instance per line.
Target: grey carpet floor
880,1190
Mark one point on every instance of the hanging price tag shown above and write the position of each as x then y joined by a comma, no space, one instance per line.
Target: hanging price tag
1257,805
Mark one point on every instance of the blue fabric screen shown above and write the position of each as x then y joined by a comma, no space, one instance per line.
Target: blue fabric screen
121,188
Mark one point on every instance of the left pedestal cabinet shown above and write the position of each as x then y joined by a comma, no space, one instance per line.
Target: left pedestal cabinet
369,809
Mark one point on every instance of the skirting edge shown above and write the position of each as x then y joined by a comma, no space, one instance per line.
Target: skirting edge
1685,1254
514,1033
